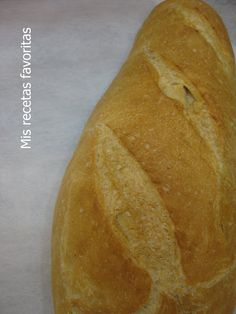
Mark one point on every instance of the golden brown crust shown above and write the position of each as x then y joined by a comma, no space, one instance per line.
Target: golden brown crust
145,221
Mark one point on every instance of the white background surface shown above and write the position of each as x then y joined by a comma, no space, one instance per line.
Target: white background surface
77,48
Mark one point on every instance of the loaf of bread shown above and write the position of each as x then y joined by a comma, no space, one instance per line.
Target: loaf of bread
145,220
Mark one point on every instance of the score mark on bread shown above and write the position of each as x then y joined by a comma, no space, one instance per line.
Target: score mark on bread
176,85
136,212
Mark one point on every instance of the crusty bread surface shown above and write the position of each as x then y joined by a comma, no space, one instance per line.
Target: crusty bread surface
145,220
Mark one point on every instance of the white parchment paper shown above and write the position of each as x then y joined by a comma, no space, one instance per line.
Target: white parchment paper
77,48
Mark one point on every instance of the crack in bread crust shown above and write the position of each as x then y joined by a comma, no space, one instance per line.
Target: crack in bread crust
173,84
137,216
198,22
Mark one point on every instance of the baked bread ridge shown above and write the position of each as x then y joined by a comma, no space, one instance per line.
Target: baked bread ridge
145,220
